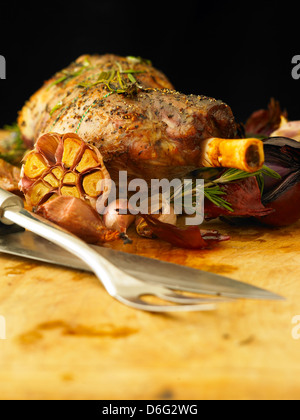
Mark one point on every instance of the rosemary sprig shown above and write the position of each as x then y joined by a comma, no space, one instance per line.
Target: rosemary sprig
214,194
213,187
57,106
232,174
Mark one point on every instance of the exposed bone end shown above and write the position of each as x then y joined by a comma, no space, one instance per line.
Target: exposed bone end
244,154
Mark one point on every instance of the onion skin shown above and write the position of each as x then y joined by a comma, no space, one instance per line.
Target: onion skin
287,209
143,228
189,238
77,217
283,156
244,197
115,221
265,121
290,129
9,177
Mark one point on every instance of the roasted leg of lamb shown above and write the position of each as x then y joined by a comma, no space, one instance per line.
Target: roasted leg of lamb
129,111
106,114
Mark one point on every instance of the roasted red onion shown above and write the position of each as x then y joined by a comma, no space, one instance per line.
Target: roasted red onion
264,121
191,237
244,197
162,211
283,195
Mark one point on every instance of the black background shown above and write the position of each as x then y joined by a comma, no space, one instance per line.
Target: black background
235,51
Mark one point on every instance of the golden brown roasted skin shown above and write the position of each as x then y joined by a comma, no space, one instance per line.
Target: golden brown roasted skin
146,128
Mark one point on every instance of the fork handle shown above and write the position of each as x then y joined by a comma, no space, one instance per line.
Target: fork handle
12,211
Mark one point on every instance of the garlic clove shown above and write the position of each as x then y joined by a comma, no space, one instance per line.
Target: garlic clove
112,218
168,216
289,129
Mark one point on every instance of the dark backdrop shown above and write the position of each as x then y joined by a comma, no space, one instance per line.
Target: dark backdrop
235,51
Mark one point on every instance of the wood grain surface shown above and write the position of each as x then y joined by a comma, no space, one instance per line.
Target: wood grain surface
67,339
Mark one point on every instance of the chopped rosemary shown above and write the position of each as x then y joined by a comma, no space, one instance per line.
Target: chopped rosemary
57,106
67,75
131,78
117,81
138,60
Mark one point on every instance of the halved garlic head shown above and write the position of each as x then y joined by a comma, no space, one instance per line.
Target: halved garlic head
63,165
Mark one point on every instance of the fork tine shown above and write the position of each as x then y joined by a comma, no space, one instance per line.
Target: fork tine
186,300
137,303
131,289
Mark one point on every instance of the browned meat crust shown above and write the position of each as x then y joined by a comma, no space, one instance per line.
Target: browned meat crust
148,129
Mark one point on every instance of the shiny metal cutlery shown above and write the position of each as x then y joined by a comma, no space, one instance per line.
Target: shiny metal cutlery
26,244
125,276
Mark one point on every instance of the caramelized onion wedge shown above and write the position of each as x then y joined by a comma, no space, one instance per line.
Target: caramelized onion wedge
191,237
144,229
63,165
244,154
9,177
79,218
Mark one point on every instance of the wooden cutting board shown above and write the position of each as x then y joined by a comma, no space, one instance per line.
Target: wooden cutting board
67,339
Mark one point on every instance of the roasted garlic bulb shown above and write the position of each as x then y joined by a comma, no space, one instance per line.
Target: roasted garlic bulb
63,165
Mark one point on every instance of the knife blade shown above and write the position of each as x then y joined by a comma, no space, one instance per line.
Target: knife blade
29,245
